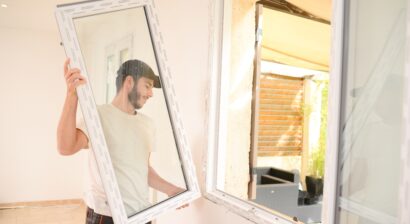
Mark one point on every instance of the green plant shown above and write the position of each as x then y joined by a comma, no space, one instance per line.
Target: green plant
317,157
305,109
317,163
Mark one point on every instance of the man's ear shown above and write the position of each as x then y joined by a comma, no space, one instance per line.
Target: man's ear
129,83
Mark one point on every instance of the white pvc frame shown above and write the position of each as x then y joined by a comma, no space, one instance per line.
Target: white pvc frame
220,20
219,59
65,15
334,103
404,187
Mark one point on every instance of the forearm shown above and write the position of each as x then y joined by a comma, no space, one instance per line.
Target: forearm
160,184
66,131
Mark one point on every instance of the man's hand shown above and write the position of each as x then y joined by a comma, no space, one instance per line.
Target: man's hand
175,191
156,182
73,78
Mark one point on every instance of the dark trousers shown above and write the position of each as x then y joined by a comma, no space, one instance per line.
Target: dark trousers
95,218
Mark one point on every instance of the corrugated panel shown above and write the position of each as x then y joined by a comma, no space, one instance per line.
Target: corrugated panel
280,115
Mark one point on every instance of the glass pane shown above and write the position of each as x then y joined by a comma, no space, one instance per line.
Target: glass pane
124,55
135,120
372,109
351,218
111,75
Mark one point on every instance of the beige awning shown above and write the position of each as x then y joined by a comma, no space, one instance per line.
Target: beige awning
295,41
319,8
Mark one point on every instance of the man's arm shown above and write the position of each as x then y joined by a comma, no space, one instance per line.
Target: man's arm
69,139
158,183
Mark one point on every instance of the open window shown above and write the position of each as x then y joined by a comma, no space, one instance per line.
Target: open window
289,110
273,83
361,88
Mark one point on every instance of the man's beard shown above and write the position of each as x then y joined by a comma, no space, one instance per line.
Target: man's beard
133,97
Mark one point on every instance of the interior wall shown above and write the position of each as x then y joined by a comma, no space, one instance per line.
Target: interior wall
99,34
32,93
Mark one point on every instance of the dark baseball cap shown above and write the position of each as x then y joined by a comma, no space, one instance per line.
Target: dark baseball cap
137,69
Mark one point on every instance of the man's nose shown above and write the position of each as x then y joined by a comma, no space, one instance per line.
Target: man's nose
150,93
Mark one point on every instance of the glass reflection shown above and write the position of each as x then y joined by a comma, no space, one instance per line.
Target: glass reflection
123,74
372,113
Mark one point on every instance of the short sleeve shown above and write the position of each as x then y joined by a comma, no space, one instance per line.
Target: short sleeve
150,133
153,139
81,126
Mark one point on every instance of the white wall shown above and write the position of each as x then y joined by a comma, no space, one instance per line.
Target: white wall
32,93
32,85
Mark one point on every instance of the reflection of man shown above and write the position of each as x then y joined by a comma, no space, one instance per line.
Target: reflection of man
129,136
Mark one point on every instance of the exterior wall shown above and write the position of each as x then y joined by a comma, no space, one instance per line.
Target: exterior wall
240,98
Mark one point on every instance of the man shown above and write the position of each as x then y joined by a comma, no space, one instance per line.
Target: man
129,135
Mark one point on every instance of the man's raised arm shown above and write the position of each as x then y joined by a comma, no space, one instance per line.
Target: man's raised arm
158,183
69,139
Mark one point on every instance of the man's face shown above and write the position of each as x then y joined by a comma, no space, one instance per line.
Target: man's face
141,92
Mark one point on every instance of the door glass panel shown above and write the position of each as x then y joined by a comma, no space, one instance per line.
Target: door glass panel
371,112
349,217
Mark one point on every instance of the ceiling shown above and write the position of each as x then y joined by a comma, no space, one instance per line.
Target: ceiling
298,41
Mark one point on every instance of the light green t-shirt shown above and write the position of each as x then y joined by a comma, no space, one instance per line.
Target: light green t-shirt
130,139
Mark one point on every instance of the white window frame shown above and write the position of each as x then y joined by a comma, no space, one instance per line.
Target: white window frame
220,21
65,15
334,103
404,186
